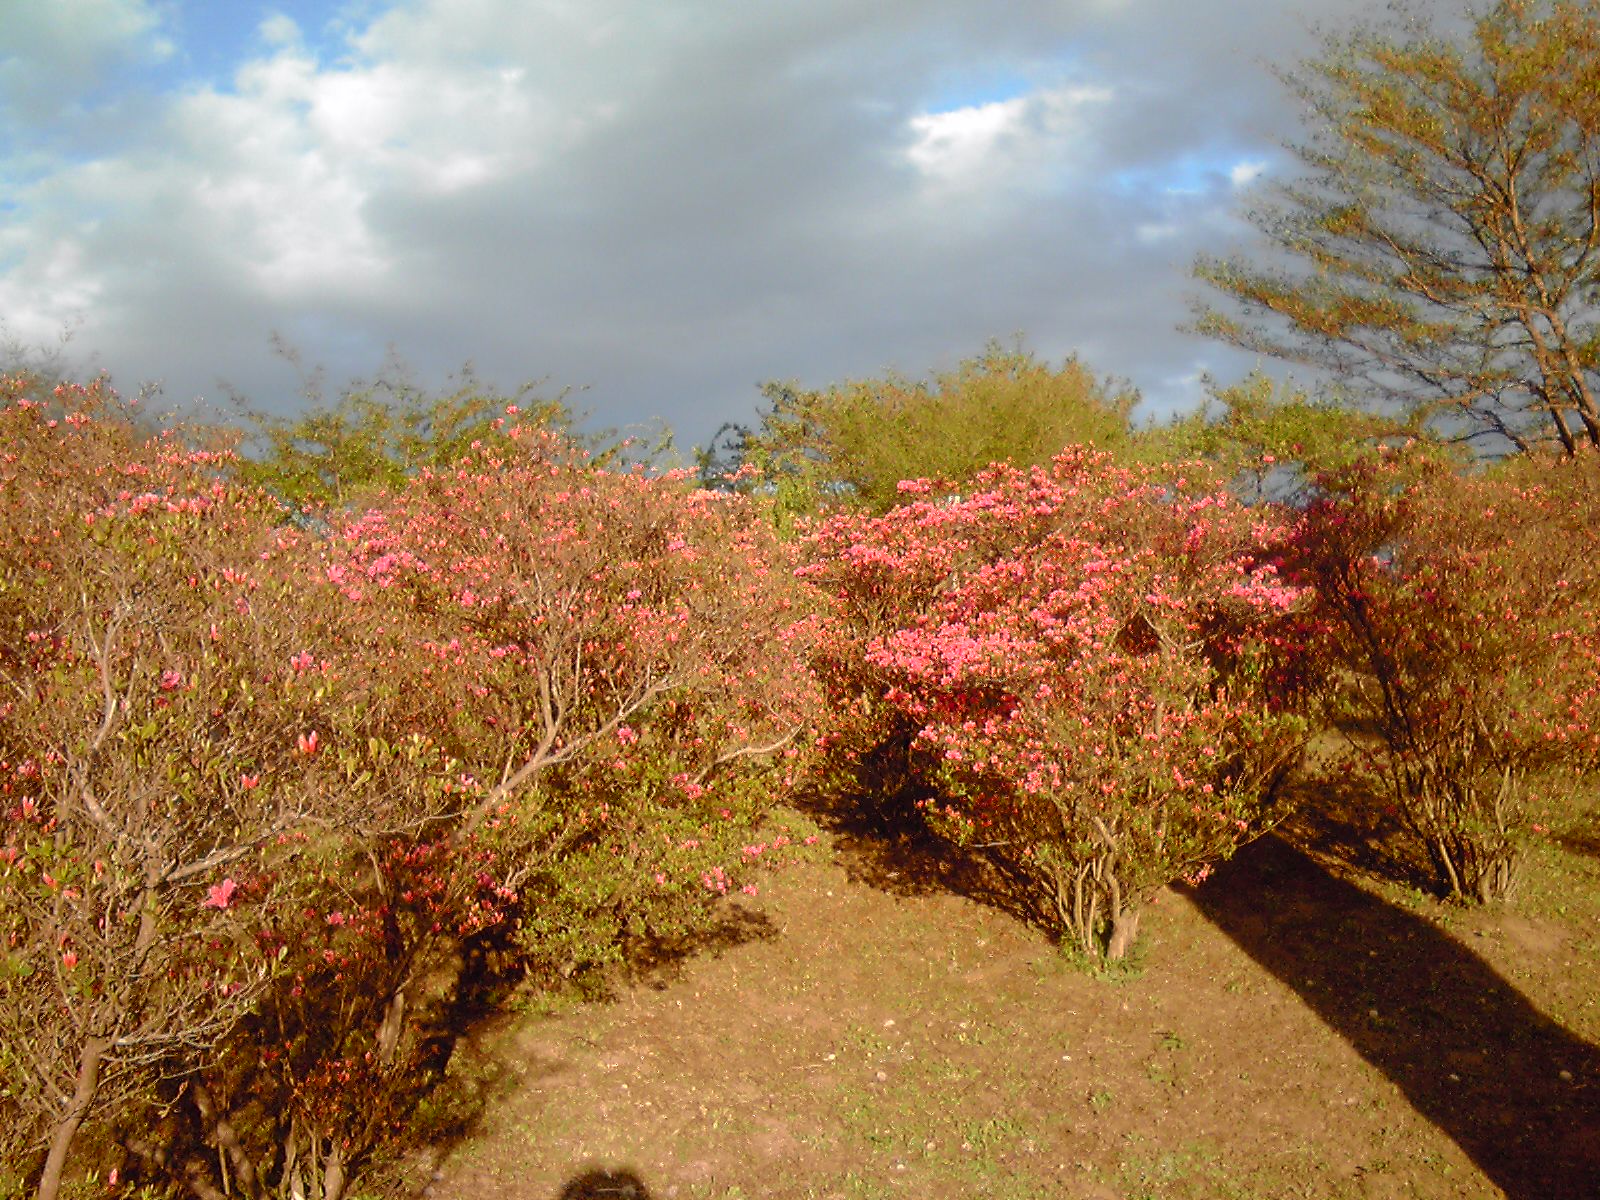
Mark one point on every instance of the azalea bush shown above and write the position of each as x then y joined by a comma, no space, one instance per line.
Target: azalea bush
153,751
1462,613
611,657
327,1067
595,672
271,790
1079,669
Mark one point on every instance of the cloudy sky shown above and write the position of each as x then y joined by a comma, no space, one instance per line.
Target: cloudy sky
661,202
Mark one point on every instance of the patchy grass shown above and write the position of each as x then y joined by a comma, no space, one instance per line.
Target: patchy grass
1293,1031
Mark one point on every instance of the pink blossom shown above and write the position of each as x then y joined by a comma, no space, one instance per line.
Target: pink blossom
220,895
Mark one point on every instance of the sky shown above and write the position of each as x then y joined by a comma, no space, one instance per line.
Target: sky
658,204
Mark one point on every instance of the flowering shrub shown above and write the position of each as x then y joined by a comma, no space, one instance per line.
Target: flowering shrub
1070,667
610,657
1463,612
263,793
329,1063
151,757
561,689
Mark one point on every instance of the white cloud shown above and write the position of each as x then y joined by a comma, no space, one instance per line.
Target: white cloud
279,30
993,144
276,179
1151,232
48,292
77,35
951,145
1245,173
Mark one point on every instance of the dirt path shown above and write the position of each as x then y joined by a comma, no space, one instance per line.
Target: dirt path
869,1044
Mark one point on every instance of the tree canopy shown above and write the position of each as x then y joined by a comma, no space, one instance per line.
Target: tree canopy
1439,251
855,442
379,434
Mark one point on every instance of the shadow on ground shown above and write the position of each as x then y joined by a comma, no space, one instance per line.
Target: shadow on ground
469,1080
656,962
890,849
605,1185
1341,820
1516,1091
1583,838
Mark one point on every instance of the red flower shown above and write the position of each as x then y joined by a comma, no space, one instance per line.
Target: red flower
307,742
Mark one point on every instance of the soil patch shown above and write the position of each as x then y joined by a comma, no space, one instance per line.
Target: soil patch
1293,1033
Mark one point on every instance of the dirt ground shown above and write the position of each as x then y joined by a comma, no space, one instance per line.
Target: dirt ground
1290,1030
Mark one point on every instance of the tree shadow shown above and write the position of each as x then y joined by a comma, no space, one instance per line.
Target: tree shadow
1515,1090
658,961
465,1080
888,847
598,1184
1583,837
1335,814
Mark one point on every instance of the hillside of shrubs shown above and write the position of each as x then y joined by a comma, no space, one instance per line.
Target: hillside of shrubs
321,737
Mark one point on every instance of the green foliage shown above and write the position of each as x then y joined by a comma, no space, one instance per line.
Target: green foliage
1443,233
378,435
1271,442
852,444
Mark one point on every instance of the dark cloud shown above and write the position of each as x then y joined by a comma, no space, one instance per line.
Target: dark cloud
669,203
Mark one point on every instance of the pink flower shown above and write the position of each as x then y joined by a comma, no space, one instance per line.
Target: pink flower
336,918
307,742
171,680
220,895
69,959
249,781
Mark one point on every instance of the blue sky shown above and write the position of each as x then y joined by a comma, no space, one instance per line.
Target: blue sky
211,39
659,203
